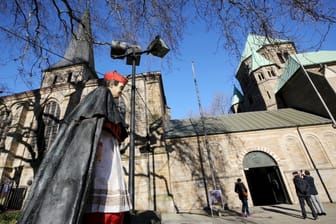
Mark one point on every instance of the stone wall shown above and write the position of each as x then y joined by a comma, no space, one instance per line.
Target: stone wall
311,148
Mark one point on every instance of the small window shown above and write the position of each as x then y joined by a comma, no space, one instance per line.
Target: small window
69,76
55,80
262,75
265,56
271,73
268,94
283,57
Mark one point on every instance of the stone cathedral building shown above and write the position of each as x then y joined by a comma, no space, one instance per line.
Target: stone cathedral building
283,121
279,124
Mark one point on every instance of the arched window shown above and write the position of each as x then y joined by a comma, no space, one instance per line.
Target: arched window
5,120
258,159
51,114
262,75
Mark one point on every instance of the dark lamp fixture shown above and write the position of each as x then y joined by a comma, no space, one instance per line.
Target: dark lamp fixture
158,47
120,50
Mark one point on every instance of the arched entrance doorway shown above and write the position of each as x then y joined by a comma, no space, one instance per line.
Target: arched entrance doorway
264,179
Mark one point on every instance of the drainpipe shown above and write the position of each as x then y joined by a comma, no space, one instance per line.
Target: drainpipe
314,165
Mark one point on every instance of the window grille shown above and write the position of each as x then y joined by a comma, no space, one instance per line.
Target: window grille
50,118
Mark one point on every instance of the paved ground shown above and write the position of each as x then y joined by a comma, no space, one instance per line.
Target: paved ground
275,214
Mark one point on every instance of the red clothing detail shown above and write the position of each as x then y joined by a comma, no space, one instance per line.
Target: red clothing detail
115,76
114,129
104,218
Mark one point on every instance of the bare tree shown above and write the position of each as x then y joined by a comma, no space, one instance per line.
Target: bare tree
34,31
3,89
272,19
220,105
37,32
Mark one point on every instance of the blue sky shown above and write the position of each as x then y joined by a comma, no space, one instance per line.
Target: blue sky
214,68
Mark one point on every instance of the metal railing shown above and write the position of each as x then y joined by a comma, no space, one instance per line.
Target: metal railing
11,197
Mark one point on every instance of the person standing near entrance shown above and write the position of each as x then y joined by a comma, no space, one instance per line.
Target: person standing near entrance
302,191
313,193
241,190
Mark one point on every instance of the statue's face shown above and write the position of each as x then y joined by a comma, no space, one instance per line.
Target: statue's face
116,90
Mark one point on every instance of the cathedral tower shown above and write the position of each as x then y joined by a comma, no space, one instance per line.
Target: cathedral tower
78,62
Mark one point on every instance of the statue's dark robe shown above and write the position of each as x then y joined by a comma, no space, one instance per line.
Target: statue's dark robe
60,188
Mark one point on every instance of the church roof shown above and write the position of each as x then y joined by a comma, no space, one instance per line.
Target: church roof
255,42
242,122
305,59
80,49
237,96
258,61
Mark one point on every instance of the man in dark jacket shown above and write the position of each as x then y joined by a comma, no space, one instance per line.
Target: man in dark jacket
241,190
302,191
313,193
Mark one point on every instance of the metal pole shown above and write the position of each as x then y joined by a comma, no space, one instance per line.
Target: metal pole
204,130
214,184
132,128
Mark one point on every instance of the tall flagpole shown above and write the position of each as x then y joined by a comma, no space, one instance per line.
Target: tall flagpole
204,131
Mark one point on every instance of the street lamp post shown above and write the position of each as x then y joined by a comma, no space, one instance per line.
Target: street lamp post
120,50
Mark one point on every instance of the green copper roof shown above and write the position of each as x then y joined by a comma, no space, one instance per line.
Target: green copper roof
237,96
311,58
255,42
242,122
258,61
316,57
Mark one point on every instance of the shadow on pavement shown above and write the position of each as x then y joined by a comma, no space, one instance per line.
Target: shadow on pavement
214,212
296,213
